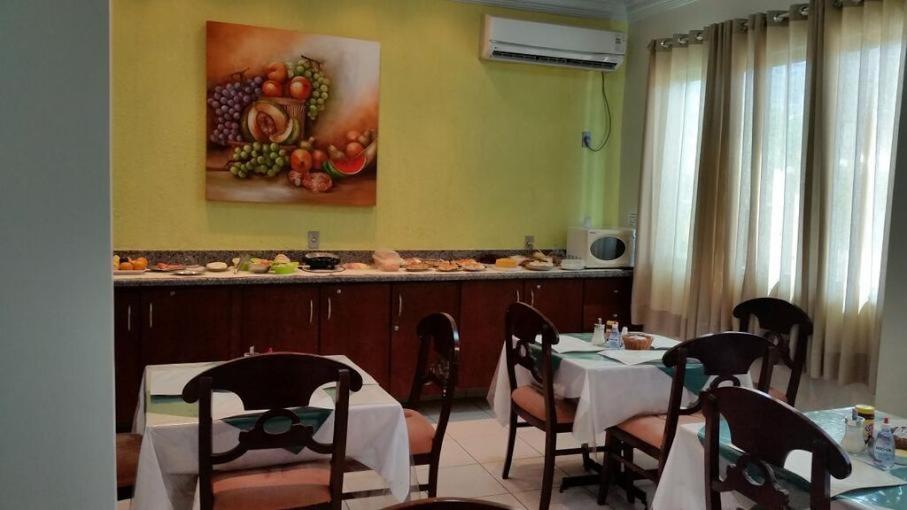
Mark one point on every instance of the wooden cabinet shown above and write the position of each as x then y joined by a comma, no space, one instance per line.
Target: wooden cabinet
560,301
355,321
608,299
280,317
127,355
189,324
483,305
410,303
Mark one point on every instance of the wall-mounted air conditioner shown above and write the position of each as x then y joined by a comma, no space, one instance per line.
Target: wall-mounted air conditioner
549,44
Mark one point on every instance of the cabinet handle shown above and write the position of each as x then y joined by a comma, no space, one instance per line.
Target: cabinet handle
614,315
531,297
311,310
329,308
150,315
517,296
616,291
399,305
128,317
396,327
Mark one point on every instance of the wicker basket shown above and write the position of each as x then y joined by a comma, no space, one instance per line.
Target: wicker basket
637,342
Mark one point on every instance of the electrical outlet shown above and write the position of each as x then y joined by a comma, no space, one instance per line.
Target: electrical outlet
529,242
314,239
587,139
631,219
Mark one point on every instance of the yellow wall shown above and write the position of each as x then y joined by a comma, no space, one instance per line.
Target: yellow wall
473,154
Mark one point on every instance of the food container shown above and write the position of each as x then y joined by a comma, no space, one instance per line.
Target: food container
387,260
637,342
868,413
287,268
321,260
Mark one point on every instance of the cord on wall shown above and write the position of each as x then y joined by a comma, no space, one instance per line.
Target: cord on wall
606,107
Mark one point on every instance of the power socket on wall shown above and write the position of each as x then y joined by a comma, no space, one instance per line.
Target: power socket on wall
529,242
314,239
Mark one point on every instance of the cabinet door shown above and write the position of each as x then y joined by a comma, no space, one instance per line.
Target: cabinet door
607,299
560,300
280,317
483,306
355,321
189,324
411,302
127,352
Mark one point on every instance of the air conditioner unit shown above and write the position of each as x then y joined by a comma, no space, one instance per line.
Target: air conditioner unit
548,44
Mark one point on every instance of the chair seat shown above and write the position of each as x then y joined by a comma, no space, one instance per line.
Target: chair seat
777,394
273,488
530,399
128,446
421,432
651,429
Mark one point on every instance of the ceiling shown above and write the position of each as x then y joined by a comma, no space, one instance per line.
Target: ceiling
610,9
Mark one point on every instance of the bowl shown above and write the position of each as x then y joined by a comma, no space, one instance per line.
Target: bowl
259,267
287,268
637,342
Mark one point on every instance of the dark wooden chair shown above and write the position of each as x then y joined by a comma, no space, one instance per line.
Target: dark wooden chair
779,319
439,354
766,430
276,383
127,447
535,403
447,504
724,356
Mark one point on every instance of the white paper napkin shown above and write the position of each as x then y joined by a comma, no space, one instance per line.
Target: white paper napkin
568,343
863,476
632,357
170,379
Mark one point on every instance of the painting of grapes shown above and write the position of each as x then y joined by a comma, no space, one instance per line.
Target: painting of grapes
291,116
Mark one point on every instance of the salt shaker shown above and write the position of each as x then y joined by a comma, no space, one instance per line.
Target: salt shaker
853,441
598,333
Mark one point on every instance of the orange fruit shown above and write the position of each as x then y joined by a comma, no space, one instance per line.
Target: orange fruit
126,266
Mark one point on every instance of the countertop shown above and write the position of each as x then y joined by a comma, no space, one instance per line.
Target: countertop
150,278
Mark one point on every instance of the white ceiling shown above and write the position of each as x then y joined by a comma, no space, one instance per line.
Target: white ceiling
610,9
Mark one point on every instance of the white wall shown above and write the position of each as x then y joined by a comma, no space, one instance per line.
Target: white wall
56,302
681,19
891,381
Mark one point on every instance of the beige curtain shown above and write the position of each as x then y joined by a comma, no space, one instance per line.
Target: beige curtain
668,184
791,188
855,73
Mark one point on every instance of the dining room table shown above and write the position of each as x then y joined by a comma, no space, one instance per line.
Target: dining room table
167,475
682,483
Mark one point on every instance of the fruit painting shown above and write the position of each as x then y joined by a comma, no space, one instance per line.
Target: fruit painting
291,116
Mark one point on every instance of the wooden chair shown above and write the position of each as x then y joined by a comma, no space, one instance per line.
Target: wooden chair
127,446
273,382
779,318
439,354
535,403
447,504
766,430
723,356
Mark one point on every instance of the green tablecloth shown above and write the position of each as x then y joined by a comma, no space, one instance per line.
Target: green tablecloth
832,421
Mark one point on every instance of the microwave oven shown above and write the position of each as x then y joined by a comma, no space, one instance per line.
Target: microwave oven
602,247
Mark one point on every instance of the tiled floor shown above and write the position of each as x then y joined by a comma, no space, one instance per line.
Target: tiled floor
475,444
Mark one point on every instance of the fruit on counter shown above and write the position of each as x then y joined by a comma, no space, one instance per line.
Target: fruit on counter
277,71
353,149
263,119
301,161
116,262
257,158
318,158
139,264
271,88
126,266
347,167
280,258
228,102
300,88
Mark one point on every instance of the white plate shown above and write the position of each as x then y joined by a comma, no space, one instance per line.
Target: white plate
189,272
538,268
128,271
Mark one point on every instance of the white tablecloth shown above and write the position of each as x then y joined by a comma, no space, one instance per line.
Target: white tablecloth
682,484
168,462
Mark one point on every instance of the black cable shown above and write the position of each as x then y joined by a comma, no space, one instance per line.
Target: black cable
606,106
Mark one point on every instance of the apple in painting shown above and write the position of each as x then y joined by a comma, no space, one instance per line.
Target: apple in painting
271,88
277,71
300,88
318,158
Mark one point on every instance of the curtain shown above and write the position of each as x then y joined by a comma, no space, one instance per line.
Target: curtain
791,187
668,183
855,77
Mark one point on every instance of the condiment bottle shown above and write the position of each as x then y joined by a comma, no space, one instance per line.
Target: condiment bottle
868,413
614,337
883,446
598,333
853,441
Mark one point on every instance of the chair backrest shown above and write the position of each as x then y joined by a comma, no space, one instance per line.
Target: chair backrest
766,430
438,365
724,357
274,383
448,504
780,320
522,325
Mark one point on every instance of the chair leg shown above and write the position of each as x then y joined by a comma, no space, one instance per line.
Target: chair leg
433,478
628,478
609,467
548,473
511,442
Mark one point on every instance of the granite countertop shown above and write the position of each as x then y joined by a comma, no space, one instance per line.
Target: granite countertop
150,279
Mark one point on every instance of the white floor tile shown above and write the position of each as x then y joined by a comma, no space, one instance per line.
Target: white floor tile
465,482
505,499
470,429
452,454
124,505
536,438
525,474
572,499
493,447
362,481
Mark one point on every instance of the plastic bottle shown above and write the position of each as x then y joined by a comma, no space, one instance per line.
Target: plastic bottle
883,446
614,337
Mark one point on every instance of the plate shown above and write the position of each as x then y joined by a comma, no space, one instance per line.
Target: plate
324,271
167,270
503,269
189,272
538,268
476,269
417,269
128,271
